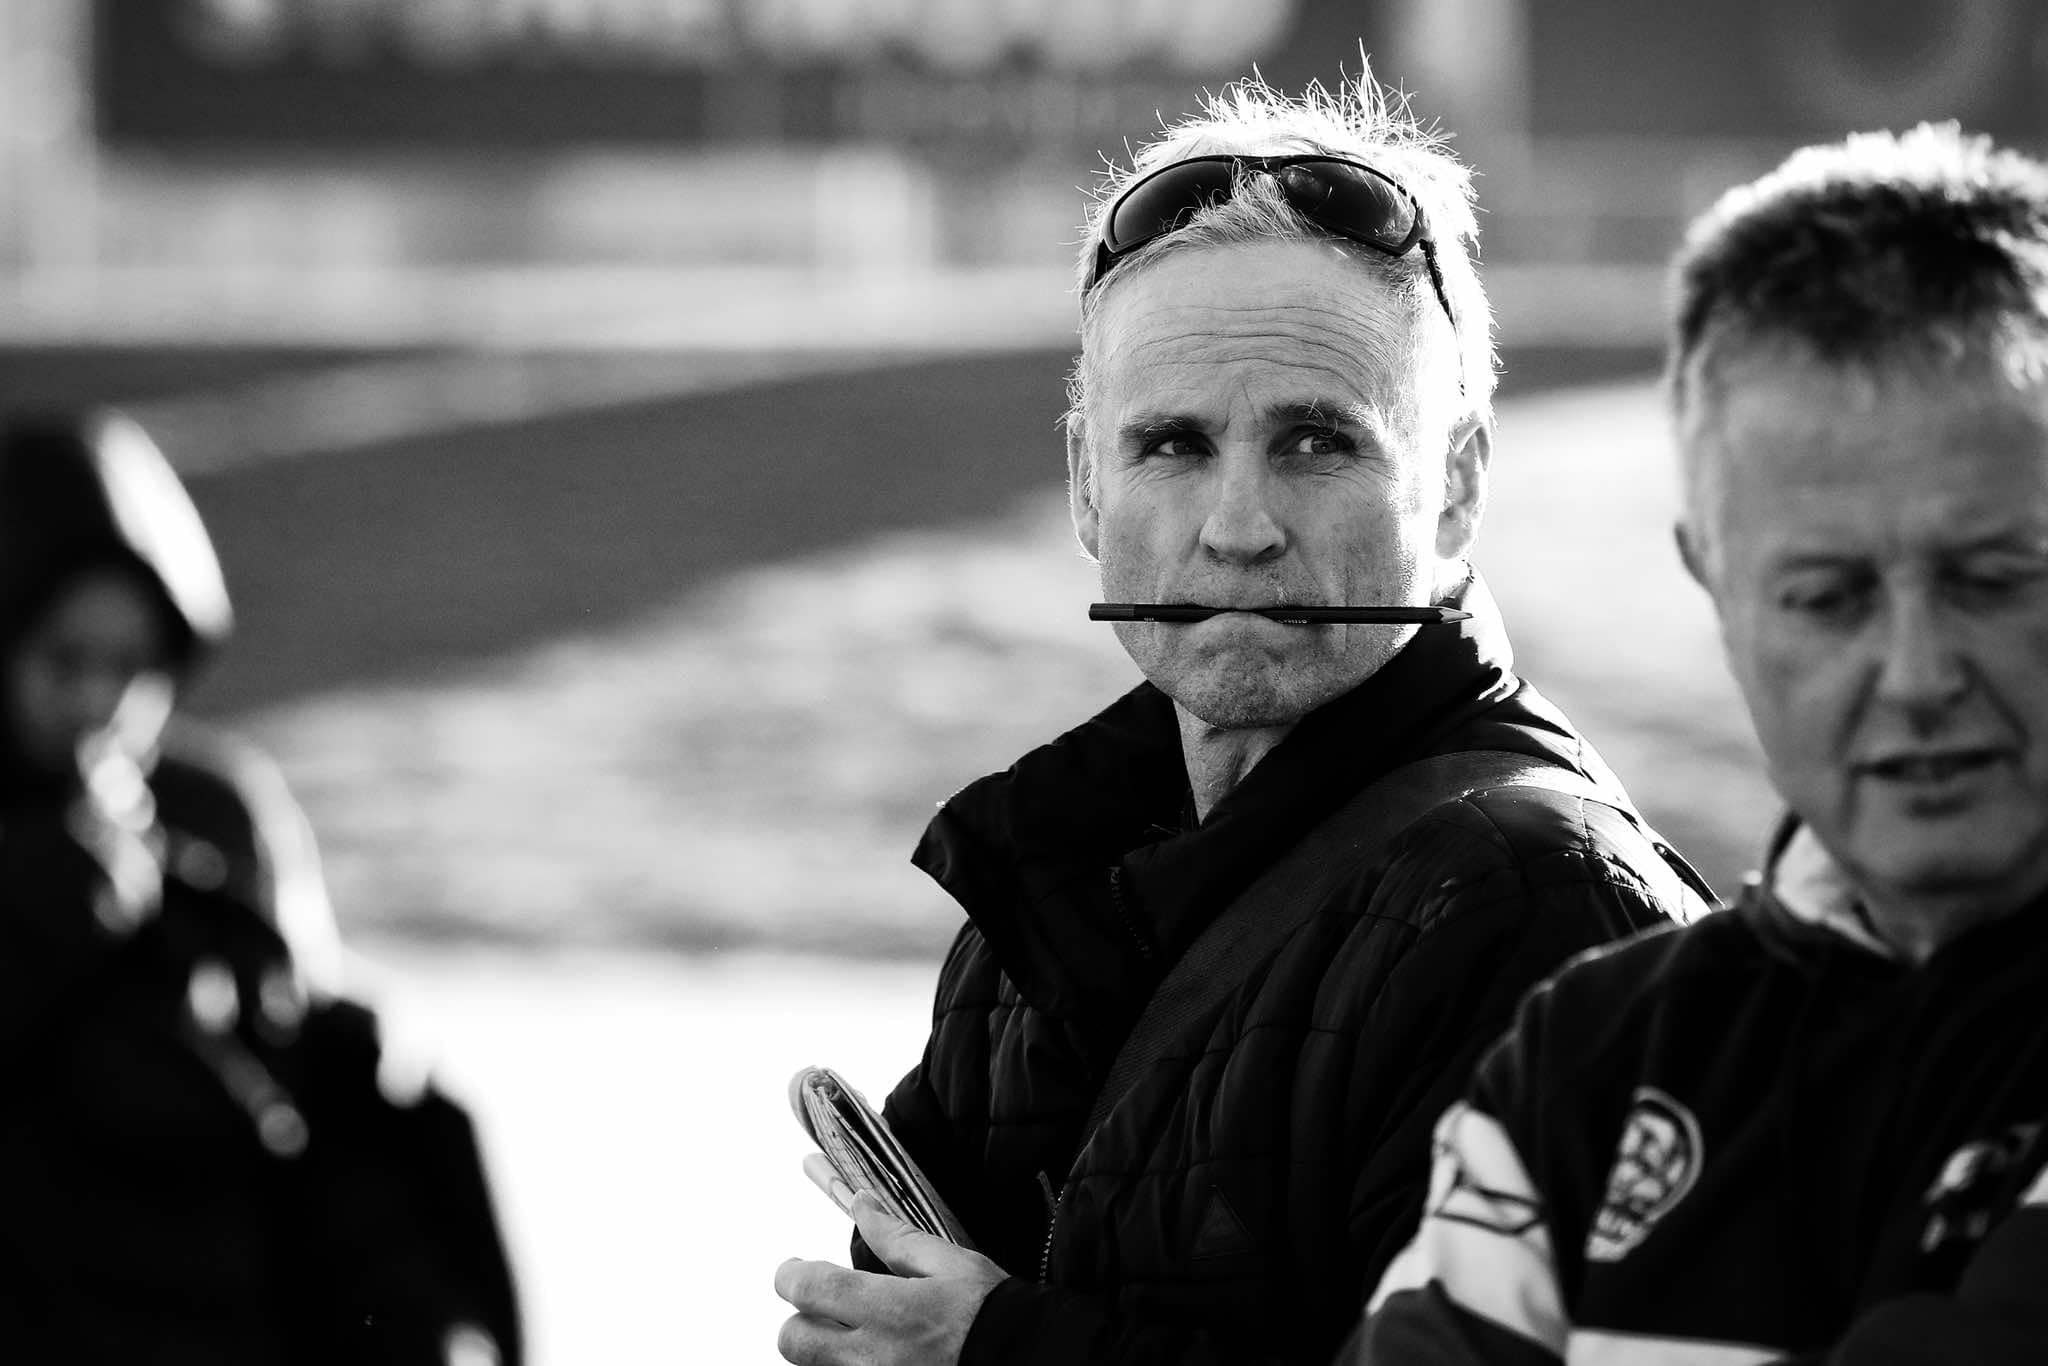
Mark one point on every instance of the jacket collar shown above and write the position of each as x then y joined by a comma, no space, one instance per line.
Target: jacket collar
1804,894
1028,852
1804,882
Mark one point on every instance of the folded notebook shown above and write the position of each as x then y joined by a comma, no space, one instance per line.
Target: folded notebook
861,1153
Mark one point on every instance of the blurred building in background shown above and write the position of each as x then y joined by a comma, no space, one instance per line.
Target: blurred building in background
472,169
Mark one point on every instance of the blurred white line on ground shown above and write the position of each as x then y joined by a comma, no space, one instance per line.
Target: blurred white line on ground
350,407
538,344
620,308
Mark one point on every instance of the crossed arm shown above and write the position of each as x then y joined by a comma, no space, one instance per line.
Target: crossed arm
1479,1286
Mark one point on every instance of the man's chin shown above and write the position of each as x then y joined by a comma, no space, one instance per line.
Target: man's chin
1234,714
1958,861
1257,701
1254,689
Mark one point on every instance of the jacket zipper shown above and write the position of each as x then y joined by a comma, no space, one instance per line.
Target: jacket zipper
1054,1199
1052,1220
1123,913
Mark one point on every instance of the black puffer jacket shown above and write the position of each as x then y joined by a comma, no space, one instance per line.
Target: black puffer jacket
1244,1195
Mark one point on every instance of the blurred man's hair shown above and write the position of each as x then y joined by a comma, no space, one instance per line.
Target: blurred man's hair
1920,250
1362,121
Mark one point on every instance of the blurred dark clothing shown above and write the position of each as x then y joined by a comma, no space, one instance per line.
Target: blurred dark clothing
1241,1197
206,1155
1763,1137
198,1159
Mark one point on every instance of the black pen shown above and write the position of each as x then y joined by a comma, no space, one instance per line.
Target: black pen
1304,615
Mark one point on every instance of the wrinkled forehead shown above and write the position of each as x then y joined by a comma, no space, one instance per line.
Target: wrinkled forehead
1731,362
1903,456
1219,317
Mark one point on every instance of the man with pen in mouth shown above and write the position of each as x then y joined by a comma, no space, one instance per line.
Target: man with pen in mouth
1234,943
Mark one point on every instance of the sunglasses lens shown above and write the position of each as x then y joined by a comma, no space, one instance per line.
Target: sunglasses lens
1154,207
1346,197
1351,200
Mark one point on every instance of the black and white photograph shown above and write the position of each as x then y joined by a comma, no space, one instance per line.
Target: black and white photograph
1023,682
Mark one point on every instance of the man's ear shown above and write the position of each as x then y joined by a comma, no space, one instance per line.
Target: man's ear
1081,487
1691,553
1465,465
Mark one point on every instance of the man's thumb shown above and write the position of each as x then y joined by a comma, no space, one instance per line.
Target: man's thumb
902,1248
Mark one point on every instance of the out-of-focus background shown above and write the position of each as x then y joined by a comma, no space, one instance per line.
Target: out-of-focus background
629,427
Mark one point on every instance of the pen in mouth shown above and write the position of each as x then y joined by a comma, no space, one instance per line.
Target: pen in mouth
1283,612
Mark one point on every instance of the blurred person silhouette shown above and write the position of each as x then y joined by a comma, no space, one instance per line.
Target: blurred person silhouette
205,1152
1234,944
1814,1127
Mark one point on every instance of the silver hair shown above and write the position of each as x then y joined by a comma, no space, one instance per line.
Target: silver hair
1883,253
1360,120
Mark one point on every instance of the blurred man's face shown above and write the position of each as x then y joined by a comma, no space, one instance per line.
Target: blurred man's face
1878,554
1259,431
92,670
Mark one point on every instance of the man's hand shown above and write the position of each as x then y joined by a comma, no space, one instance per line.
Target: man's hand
917,1317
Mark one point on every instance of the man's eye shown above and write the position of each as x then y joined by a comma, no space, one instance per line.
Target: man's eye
1984,591
1175,446
1323,442
1824,602
1992,586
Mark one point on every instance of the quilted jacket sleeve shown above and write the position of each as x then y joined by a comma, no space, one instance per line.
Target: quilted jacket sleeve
919,1120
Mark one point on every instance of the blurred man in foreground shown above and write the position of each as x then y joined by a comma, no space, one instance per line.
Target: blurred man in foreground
204,1155
1814,1127
1347,849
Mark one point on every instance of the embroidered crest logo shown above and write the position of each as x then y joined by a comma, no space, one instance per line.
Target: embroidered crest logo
1979,1181
1655,1164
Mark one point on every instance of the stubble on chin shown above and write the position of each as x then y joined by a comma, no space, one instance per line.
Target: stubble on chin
1259,691
1224,708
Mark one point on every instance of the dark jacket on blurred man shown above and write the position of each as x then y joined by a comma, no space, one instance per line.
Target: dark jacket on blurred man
205,1155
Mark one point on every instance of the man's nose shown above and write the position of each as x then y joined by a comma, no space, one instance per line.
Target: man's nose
1242,526
1920,664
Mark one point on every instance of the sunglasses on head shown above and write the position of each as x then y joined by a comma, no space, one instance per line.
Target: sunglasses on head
1348,198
